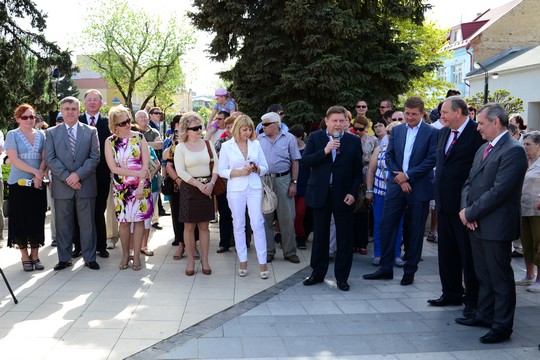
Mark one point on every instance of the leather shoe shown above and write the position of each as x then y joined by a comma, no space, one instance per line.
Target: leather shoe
103,253
442,301
92,265
62,265
76,253
343,285
469,311
407,280
222,249
164,213
293,258
312,281
379,275
157,226
494,336
269,258
472,322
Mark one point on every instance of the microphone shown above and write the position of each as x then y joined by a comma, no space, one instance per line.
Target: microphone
335,135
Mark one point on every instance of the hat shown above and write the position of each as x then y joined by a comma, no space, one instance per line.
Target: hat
272,116
221,92
59,117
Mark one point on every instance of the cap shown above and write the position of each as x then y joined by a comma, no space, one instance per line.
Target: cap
59,117
221,92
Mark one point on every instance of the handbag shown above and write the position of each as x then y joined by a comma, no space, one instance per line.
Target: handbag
219,186
269,199
167,186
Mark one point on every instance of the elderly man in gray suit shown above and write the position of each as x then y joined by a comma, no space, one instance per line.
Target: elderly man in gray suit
72,154
490,203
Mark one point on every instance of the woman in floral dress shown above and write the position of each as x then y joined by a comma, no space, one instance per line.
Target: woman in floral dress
128,157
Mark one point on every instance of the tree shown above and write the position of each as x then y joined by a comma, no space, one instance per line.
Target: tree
27,59
309,55
66,87
508,102
135,52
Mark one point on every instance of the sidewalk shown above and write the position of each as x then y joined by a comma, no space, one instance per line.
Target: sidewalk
110,313
159,313
374,320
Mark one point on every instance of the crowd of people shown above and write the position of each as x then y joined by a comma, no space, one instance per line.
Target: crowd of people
477,170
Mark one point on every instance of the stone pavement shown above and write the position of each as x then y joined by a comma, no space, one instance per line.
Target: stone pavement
159,313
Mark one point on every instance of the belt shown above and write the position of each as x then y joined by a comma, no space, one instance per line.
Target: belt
204,180
279,174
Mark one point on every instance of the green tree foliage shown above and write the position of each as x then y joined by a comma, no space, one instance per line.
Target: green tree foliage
500,96
309,55
66,87
27,59
135,51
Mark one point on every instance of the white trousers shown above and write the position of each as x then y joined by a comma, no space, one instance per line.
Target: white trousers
238,200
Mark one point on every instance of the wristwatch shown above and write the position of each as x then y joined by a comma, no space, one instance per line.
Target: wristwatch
294,181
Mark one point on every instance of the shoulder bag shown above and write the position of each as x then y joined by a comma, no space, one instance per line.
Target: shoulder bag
219,186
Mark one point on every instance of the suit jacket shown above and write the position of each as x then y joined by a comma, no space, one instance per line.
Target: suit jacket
492,193
231,158
103,173
346,170
62,162
452,170
421,162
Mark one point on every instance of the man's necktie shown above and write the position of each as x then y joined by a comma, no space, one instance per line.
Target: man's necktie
486,151
456,133
92,121
72,140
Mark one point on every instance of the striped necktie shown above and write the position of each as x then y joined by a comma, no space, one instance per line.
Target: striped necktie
72,140
92,121
453,141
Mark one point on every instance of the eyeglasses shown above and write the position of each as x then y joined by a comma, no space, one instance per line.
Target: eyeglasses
359,129
361,106
195,128
123,123
268,123
70,109
156,113
397,119
29,117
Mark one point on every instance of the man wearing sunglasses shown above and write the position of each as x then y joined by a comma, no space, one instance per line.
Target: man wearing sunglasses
72,154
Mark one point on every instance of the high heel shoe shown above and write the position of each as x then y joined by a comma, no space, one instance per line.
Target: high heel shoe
264,274
207,271
242,272
136,267
123,266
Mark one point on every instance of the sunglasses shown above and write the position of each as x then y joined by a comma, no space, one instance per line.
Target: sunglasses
361,106
29,117
195,128
397,119
156,113
281,113
123,123
359,129
268,123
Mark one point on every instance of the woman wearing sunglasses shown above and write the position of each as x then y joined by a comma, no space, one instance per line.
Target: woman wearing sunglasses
128,157
24,147
192,164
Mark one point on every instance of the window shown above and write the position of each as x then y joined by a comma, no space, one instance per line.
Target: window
457,73
441,74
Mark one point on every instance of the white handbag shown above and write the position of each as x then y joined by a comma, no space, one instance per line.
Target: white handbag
269,199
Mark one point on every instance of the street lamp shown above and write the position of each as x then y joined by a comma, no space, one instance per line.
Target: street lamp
477,65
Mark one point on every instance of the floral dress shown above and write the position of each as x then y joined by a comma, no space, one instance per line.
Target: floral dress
127,155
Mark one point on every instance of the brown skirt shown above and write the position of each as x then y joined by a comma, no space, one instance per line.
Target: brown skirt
194,206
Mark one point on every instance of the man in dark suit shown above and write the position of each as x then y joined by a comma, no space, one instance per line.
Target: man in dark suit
458,141
72,155
93,102
490,202
335,159
410,158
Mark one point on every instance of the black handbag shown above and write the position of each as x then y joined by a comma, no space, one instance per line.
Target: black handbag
167,186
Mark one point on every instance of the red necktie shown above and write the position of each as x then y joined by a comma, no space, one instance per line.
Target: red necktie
92,121
486,151
453,141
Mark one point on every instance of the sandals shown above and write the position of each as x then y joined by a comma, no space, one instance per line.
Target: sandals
37,264
264,275
28,266
123,266
136,267
147,252
242,272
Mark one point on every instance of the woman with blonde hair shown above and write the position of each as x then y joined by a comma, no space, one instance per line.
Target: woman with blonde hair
128,158
242,162
27,196
192,162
